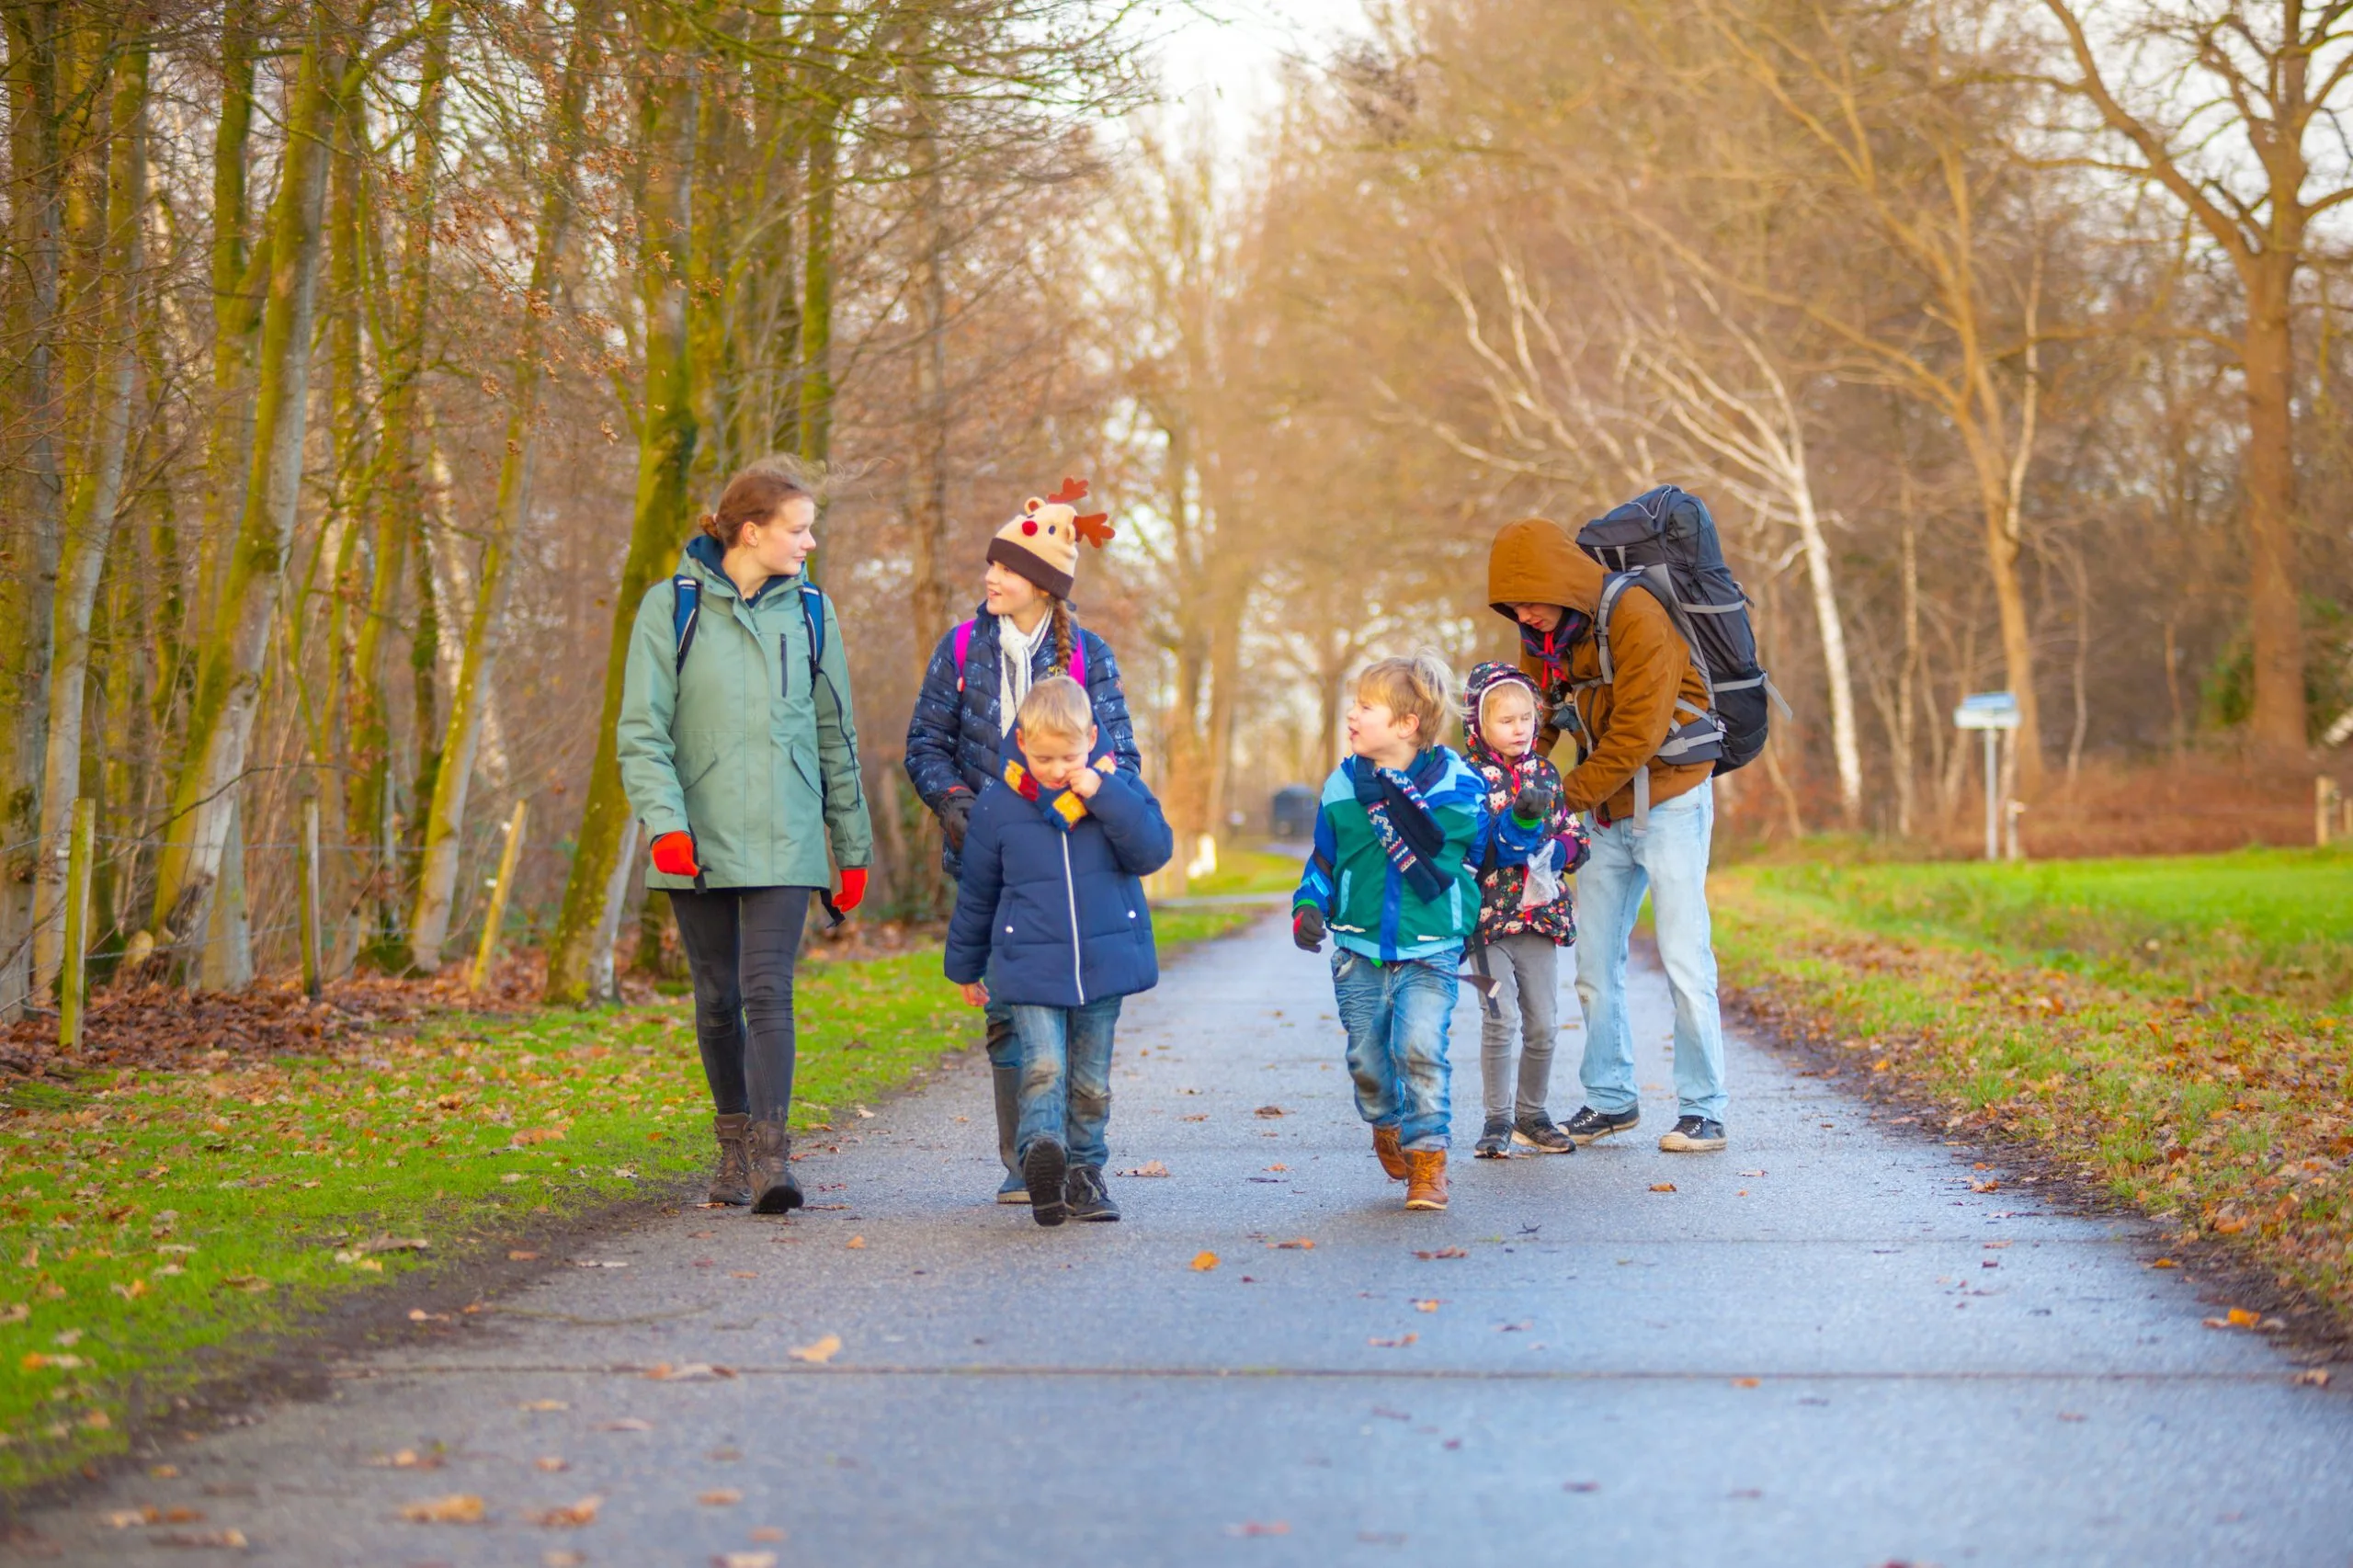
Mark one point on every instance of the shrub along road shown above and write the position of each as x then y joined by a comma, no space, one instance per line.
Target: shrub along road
1825,1346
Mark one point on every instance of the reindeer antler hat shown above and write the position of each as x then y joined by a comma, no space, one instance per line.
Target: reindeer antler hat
1042,544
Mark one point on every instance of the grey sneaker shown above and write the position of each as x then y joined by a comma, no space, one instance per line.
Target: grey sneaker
1494,1140
1538,1132
1590,1125
1694,1135
1087,1196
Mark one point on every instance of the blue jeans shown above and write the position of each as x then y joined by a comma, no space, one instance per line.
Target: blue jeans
1670,858
1396,1015
1066,1077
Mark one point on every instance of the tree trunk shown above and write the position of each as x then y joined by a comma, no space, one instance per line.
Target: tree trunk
37,205
928,514
666,450
2275,611
445,823
235,308
236,644
817,289
97,499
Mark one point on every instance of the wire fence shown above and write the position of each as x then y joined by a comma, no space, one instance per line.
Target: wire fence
83,915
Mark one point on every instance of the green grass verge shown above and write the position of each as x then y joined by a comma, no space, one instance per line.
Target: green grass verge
2025,1002
1241,871
2265,923
159,1230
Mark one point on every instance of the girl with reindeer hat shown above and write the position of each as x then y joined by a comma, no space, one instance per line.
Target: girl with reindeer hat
1023,633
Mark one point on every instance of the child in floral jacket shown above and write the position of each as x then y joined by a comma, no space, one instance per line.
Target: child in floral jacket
1526,914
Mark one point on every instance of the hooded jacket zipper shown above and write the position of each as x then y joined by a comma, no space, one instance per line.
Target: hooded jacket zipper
1070,886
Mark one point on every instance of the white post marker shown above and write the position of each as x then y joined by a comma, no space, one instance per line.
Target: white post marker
1992,711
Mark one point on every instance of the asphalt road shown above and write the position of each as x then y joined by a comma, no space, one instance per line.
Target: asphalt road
1822,1347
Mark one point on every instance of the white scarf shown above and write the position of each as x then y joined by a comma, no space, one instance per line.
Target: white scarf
1014,655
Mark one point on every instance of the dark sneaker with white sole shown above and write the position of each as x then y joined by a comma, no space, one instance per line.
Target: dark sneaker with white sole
1043,1169
1538,1132
1694,1135
1494,1140
1589,1124
1087,1196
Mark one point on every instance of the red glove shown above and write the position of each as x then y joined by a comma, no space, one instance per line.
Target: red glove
853,892
674,855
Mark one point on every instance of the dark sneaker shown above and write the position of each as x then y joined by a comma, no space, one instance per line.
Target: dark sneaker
1012,1189
1495,1139
1538,1132
1041,1172
1589,1124
1087,1196
1694,1135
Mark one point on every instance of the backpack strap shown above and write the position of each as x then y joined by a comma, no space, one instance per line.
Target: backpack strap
685,609
1078,656
964,640
813,610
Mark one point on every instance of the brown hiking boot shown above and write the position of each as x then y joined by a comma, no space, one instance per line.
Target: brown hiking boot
1424,1179
774,1190
1392,1158
731,1180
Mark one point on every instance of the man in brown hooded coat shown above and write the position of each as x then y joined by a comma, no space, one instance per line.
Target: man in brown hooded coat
1651,817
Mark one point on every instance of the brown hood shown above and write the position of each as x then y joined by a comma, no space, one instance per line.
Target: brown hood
1536,562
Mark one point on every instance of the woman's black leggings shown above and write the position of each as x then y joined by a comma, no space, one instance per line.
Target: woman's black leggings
741,943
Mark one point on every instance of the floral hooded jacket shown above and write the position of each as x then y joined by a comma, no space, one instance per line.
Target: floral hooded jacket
1501,880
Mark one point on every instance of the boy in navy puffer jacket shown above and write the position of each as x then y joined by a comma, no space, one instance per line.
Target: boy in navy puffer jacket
1052,893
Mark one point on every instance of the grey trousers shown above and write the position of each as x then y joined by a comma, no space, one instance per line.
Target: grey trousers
1528,980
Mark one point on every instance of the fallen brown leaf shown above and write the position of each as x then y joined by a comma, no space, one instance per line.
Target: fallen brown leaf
740,1274
1744,1383
1149,1168
1662,1187
818,1354
551,1463
543,1404
1428,1304
1442,1252
456,1508
749,1559
1203,1262
570,1517
1269,1111
1254,1527
518,1255
625,1423
2311,1377
2165,1263
227,1539
1397,1344
1297,1243
719,1497
857,1241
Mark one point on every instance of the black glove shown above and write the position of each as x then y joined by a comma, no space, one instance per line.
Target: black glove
955,816
1535,801
1307,929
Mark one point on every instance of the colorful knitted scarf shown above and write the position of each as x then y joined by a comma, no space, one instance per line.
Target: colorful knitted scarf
1409,834
1060,807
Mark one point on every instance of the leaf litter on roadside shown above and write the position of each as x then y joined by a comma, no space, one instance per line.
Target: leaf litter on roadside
456,1508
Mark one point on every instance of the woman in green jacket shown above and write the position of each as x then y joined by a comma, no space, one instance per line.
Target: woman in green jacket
739,754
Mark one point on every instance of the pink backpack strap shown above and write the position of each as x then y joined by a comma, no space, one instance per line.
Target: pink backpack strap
1078,657
964,635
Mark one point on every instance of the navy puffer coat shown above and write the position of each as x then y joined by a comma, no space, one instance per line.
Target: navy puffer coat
1061,912
954,734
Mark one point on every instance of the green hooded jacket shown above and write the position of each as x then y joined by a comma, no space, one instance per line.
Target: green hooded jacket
733,746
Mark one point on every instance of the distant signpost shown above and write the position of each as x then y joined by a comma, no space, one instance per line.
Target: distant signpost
1993,712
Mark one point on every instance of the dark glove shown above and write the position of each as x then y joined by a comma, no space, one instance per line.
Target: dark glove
955,816
1535,801
1307,929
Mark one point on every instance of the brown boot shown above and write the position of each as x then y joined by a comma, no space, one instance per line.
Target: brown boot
774,1190
1424,1179
731,1180
1392,1158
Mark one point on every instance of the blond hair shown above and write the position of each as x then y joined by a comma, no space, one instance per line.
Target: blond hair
1420,687
1518,690
1056,709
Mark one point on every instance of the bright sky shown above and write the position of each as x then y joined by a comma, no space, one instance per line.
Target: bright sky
1223,56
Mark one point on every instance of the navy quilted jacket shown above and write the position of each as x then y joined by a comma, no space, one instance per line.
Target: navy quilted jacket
1055,917
954,734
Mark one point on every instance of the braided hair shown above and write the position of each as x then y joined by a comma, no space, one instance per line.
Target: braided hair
1064,636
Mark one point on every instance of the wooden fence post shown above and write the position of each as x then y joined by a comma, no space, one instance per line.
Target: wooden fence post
499,889
307,849
74,974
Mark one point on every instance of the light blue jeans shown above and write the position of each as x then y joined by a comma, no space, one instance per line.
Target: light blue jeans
1066,1077
1669,858
1396,1015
